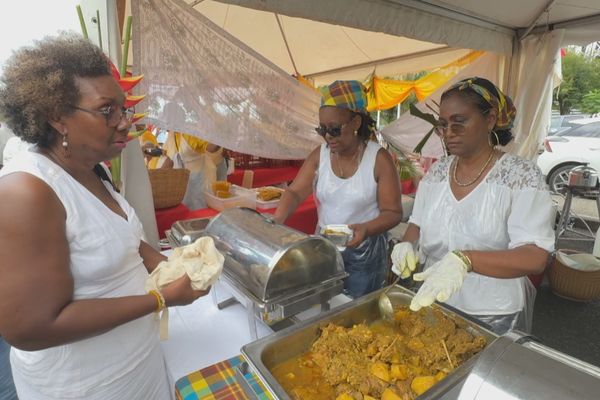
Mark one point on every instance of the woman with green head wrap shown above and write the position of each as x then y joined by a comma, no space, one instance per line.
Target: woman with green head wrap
483,217
355,183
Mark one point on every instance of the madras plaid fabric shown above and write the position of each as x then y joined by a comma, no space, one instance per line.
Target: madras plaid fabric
217,382
503,104
345,94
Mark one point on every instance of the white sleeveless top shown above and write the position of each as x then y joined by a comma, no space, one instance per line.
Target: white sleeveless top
125,362
347,201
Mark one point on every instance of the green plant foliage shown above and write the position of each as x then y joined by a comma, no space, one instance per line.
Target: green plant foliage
590,103
580,76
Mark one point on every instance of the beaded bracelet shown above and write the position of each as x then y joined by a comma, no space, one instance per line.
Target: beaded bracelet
465,259
160,300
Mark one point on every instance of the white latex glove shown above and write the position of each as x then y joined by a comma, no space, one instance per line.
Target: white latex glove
440,281
404,259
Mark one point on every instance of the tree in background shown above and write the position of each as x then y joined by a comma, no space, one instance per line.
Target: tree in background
581,75
590,103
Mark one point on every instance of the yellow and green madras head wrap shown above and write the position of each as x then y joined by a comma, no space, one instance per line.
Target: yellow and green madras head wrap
493,96
345,94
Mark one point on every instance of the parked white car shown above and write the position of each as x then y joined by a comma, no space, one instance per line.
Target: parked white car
567,149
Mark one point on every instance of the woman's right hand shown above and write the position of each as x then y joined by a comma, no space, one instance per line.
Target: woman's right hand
404,259
180,292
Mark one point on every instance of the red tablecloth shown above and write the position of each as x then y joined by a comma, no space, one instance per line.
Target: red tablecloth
265,176
303,219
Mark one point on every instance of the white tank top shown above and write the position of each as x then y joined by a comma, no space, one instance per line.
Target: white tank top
125,362
347,201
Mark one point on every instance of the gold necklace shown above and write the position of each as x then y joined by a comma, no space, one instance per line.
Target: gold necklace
478,174
354,157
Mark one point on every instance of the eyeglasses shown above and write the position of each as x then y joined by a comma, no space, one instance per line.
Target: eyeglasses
113,114
456,128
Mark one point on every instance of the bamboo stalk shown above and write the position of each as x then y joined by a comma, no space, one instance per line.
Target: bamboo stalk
82,22
99,29
123,70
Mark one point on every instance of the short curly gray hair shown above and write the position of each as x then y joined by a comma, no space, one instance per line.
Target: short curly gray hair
38,84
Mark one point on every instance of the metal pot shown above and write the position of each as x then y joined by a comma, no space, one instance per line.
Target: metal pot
583,177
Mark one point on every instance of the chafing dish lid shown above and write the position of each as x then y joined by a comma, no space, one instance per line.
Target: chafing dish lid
272,260
187,231
515,367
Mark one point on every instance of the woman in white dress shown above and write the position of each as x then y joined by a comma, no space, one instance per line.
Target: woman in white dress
74,262
483,218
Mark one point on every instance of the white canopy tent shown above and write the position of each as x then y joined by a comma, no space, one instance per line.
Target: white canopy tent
347,39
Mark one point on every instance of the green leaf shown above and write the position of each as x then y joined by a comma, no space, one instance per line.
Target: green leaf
414,111
419,147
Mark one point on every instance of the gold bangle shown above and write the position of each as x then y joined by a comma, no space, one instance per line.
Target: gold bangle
160,300
465,259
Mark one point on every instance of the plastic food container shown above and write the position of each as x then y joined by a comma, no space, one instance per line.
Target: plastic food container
268,204
339,235
241,197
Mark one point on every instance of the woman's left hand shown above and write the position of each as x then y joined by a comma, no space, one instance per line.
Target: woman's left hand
360,234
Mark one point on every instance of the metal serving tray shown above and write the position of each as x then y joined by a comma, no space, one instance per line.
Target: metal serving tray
264,354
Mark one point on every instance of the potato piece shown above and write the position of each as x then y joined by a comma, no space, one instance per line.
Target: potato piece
389,394
421,384
381,371
399,371
344,396
440,375
367,397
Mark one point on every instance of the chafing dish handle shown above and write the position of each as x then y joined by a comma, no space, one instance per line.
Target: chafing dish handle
466,316
270,220
240,371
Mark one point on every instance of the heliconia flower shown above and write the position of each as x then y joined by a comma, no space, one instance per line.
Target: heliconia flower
131,101
137,117
134,134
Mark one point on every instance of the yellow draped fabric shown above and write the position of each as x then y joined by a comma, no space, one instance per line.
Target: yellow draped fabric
387,93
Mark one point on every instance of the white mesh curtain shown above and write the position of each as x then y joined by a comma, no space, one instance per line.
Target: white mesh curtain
201,80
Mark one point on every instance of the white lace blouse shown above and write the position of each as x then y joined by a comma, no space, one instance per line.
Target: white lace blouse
511,207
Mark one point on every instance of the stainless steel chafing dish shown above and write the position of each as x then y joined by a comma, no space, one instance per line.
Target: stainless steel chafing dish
512,366
186,231
274,271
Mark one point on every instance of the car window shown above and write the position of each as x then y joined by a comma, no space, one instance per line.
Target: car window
588,130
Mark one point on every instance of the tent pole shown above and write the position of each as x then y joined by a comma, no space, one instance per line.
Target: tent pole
286,44
537,17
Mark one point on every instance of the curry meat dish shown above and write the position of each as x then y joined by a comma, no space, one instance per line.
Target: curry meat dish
387,360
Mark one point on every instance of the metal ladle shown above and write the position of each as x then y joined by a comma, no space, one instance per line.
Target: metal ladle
386,308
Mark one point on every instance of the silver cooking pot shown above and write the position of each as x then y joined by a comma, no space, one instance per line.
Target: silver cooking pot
583,177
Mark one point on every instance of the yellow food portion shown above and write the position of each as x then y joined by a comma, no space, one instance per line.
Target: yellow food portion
386,360
268,194
333,232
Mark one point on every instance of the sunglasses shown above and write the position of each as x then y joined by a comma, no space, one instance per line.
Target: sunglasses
333,131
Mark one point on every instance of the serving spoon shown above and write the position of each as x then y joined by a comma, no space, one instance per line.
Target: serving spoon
386,309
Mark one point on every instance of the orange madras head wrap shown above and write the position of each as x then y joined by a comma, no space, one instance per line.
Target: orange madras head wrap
345,94
499,101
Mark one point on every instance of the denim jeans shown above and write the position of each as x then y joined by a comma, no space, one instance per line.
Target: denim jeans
7,387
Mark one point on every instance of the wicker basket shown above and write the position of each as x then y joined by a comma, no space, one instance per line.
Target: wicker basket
573,284
168,186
